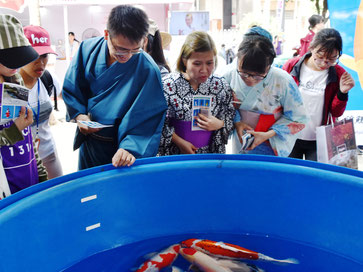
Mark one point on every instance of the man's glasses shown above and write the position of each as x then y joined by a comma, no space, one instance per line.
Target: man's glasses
247,75
124,52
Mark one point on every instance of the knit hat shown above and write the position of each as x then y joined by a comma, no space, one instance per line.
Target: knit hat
15,49
257,30
39,39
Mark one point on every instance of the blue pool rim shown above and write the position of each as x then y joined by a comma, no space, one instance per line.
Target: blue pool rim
305,202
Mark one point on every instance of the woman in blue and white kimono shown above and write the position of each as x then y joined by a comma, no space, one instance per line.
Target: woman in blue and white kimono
269,104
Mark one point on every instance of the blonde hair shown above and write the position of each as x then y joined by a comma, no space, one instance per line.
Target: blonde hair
197,41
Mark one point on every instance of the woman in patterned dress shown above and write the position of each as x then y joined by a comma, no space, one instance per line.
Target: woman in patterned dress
196,99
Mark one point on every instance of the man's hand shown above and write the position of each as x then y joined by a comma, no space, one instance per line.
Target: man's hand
83,128
122,158
25,119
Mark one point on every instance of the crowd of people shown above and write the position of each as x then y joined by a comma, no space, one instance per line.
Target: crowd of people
123,81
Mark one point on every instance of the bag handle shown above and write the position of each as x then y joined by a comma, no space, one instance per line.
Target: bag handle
331,120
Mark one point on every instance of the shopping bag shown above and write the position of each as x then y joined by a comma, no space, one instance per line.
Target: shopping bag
336,144
4,186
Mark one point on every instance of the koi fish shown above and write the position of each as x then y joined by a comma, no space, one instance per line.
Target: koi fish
230,251
164,259
204,263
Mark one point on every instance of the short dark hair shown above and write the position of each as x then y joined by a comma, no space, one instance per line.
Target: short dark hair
128,21
314,20
327,40
257,53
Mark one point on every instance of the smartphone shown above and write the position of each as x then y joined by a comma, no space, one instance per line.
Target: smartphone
247,140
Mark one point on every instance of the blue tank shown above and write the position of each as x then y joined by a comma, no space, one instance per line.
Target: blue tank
106,219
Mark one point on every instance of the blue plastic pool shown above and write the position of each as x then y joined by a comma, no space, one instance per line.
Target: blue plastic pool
106,219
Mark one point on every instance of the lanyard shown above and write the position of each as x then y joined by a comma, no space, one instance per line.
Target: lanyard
36,114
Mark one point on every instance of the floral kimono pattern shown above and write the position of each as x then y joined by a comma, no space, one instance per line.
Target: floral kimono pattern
276,95
179,96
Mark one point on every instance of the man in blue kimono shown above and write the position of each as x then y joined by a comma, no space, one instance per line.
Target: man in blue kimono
113,81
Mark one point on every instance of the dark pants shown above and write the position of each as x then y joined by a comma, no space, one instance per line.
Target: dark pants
302,147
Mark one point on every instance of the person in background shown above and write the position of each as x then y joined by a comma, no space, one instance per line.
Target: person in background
73,44
222,52
278,45
114,82
195,66
153,46
39,100
323,84
316,23
20,159
269,105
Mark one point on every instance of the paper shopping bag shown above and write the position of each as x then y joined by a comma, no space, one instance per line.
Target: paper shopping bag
336,144
4,186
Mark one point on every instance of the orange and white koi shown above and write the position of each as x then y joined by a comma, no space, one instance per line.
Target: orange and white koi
164,259
202,261
230,251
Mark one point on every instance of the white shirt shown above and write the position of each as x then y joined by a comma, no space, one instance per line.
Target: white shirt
312,88
46,144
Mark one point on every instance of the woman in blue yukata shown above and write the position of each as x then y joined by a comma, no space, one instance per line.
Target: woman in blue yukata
111,80
200,110
269,103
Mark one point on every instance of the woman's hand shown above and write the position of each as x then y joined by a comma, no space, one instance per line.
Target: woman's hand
185,147
346,82
122,158
83,128
260,137
209,123
240,127
25,118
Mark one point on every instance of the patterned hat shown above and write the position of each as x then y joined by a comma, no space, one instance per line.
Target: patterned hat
15,49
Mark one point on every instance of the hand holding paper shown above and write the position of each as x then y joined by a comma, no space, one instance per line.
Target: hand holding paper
25,119
82,120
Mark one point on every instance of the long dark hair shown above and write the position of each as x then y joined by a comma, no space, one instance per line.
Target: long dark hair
155,49
257,53
72,34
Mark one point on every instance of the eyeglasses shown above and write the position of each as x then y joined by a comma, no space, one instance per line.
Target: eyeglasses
320,60
247,75
125,52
